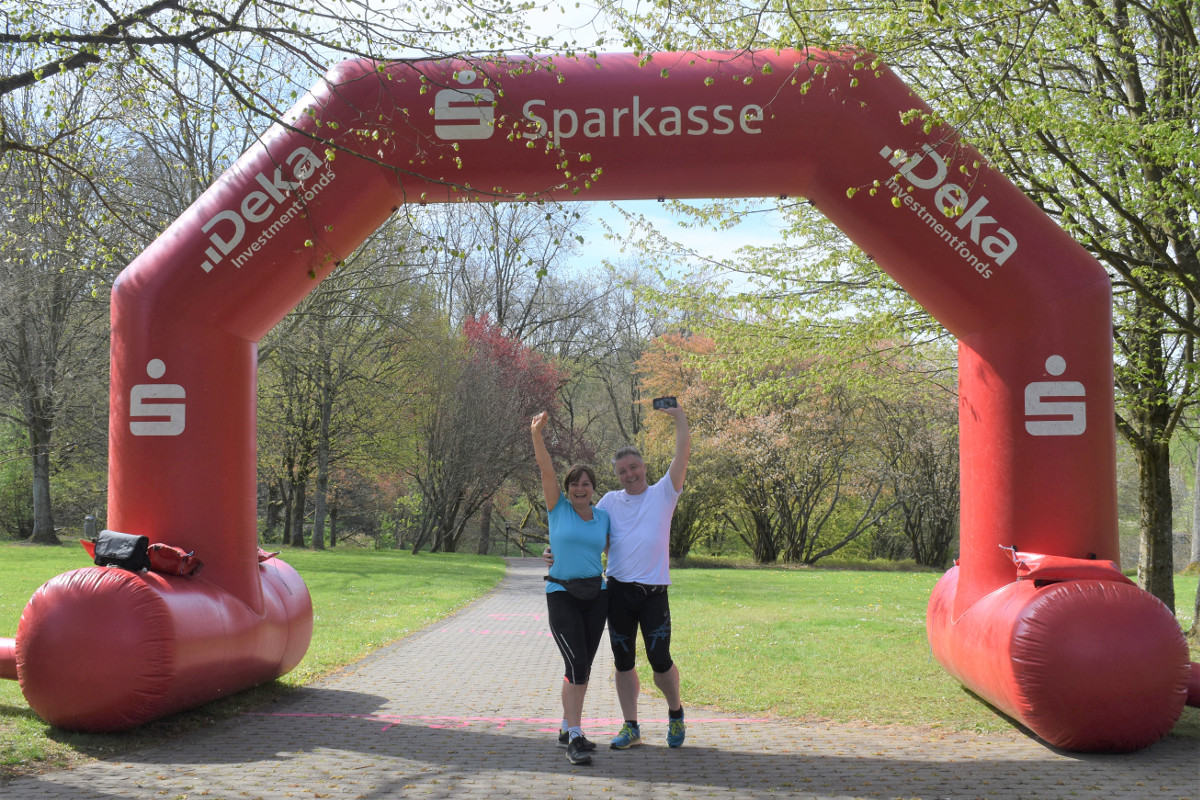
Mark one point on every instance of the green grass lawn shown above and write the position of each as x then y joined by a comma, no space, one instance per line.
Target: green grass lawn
843,645
361,600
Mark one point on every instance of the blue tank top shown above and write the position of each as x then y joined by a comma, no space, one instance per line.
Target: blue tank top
577,544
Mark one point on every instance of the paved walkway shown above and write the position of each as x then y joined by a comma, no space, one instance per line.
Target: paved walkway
469,708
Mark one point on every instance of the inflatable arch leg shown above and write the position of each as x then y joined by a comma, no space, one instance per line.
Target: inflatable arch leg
1030,307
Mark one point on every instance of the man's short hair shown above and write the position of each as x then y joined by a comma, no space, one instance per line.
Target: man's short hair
627,450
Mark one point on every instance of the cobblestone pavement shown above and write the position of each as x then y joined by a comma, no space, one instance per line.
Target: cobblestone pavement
469,708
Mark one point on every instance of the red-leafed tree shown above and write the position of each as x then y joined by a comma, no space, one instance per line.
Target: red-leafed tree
477,429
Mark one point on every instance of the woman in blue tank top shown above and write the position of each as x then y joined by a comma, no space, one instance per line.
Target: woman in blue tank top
576,600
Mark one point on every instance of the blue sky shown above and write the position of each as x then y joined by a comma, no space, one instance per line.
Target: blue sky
757,229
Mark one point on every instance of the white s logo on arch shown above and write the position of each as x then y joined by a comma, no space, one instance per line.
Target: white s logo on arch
464,113
147,419
1036,404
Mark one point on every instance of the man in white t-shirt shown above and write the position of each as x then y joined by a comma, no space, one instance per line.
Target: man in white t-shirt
638,576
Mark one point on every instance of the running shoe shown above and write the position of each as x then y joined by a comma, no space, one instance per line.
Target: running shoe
627,737
675,732
578,751
564,738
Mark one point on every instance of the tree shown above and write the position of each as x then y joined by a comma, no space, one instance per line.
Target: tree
331,385
917,440
57,260
632,321
287,425
496,259
359,325
476,423
792,463
1090,108
16,495
264,53
795,477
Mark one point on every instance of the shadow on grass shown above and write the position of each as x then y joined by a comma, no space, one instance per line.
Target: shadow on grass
1186,728
17,711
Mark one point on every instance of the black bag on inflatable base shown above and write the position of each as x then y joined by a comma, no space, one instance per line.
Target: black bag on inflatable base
123,550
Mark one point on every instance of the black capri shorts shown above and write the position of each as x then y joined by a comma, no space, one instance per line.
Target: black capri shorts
577,626
634,605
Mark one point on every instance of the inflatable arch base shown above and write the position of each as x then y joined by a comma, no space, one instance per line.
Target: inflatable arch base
1088,665
104,649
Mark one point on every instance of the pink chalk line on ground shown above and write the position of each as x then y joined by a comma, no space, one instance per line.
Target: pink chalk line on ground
550,724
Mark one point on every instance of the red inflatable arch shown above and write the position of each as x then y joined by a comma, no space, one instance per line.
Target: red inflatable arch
1035,618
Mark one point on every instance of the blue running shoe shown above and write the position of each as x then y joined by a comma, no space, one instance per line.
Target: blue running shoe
627,737
676,730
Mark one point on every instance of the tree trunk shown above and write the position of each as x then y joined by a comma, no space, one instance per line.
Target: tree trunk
425,531
1196,512
1195,631
286,501
43,514
324,413
1144,379
275,504
1155,558
320,498
333,515
485,528
296,536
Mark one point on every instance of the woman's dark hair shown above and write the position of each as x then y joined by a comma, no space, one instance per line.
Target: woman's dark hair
573,475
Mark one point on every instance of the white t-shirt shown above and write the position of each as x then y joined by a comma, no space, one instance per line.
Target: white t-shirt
639,534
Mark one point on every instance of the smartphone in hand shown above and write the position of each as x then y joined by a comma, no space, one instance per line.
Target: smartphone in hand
665,402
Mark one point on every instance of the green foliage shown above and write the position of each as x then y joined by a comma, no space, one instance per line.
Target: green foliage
80,490
803,448
16,484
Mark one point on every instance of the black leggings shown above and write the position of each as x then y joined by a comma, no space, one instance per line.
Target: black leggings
577,626
631,605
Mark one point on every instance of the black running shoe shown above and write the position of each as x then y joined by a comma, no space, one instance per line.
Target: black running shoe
578,751
564,738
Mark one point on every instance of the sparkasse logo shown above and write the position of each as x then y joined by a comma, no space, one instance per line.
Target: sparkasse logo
635,119
464,113
469,114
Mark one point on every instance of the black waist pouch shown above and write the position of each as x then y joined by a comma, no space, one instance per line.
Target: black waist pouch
581,588
123,550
